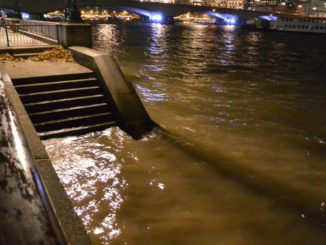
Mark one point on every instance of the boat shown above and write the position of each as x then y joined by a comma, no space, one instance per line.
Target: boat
195,19
299,24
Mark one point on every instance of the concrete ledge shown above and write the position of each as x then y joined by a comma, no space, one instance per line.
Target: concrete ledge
22,49
35,145
71,34
47,180
132,115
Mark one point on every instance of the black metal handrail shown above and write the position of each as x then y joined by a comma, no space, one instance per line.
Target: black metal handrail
29,34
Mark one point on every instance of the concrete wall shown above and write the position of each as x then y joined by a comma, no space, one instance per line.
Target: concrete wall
132,116
45,175
74,34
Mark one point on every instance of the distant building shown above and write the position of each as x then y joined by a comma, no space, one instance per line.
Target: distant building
262,5
232,4
317,8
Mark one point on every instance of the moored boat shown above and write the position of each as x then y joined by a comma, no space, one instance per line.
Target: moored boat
299,24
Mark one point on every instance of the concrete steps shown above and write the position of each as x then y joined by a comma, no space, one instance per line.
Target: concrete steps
76,131
65,105
59,94
52,86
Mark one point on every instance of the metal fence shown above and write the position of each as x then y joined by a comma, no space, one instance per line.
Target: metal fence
28,33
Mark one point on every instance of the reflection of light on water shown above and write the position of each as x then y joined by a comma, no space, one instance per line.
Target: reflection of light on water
105,37
197,35
199,26
228,27
91,176
161,186
158,43
151,95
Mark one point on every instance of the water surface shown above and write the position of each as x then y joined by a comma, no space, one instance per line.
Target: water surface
242,158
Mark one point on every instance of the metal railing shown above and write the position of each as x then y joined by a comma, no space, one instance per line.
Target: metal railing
28,33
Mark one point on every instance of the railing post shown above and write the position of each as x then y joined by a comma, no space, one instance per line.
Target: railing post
7,36
58,37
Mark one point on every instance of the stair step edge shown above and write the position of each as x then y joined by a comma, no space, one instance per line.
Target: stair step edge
65,100
69,109
56,83
73,119
75,130
59,91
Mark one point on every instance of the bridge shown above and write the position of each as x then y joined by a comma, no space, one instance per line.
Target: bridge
166,9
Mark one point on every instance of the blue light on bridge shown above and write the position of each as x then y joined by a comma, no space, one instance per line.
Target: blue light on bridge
25,16
223,19
268,18
231,21
156,18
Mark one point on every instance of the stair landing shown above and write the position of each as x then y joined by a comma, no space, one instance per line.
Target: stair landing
30,69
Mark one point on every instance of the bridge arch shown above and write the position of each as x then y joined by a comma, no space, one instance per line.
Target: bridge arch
227,19
151,16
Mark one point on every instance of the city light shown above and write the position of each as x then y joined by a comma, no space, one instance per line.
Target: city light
25,16
231,21
156,17
268,18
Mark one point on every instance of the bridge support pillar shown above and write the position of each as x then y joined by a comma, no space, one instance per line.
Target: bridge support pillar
72,13
75,34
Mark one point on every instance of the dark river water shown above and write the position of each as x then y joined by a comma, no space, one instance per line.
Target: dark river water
241,158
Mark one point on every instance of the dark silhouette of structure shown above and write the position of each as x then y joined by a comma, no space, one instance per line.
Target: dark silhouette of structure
72,13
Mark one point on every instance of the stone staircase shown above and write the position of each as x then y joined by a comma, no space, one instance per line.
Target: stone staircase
65,105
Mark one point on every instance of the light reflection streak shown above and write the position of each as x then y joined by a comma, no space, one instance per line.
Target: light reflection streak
151,95
158,37
105,37
21,154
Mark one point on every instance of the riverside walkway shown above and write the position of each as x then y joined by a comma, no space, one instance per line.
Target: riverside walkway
17,39
29,69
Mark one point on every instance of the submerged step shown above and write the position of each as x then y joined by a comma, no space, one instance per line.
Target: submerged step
59,94
74,122
56,85
51,115
64,103
76,130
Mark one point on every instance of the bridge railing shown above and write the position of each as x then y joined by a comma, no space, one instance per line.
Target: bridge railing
28,33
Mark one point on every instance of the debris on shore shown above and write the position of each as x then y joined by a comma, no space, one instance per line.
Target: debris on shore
58,54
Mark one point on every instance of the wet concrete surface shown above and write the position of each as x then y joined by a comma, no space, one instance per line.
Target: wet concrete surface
23,219
17,70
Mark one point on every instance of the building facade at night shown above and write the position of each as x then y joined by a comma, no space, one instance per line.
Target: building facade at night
303,7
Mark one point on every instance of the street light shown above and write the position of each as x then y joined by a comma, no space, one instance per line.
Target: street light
72,13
